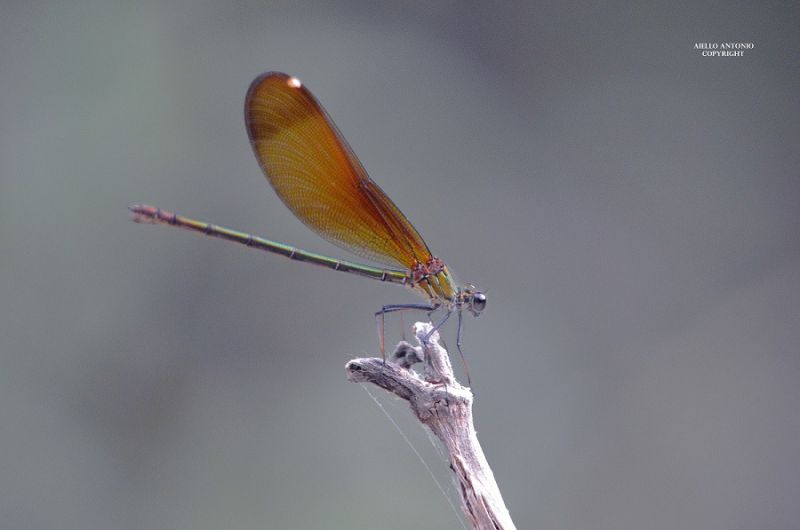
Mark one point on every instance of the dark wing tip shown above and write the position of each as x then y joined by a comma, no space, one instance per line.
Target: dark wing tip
256,88
266,77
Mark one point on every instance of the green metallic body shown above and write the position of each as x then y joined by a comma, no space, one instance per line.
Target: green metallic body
153,215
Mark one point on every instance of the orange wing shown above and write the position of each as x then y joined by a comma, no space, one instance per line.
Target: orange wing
319,178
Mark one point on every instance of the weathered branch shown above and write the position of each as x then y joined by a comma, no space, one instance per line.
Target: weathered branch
441,403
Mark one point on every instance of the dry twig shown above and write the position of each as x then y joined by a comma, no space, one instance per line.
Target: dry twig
441,403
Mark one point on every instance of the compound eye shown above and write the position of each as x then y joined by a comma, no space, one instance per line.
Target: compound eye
478,302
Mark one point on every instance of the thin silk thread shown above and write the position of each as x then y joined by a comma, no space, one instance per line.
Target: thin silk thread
419,456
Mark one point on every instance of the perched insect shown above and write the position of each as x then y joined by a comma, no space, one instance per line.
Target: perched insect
317,175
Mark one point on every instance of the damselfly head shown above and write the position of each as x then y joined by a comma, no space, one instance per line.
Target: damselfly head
474,300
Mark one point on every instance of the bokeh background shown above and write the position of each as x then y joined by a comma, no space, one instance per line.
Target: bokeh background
631,207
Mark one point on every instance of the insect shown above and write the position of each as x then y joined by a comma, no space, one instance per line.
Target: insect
317,175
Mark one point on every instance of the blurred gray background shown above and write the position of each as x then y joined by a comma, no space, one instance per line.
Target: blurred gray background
630,206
